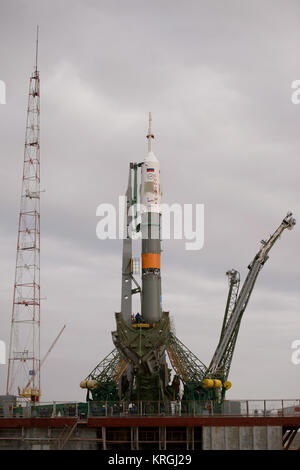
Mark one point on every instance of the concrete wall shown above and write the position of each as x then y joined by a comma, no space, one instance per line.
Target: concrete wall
44,438
242,438
88,438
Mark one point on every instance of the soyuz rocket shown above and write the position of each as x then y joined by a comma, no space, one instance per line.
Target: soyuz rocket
150,229
139,368
142,342
150,196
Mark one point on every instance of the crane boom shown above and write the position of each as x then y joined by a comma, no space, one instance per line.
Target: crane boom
234,285
47,354
52,345
228,337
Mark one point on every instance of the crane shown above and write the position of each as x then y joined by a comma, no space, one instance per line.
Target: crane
236,305
214,381
27,391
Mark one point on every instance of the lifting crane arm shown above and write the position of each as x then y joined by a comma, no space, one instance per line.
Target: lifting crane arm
222,357
48,352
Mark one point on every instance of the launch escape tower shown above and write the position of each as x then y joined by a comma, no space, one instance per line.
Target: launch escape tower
23,378
137,369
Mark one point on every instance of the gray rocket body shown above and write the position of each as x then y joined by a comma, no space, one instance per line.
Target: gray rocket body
151,278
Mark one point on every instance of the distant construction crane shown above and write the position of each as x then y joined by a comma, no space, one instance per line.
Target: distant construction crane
28,385
24,349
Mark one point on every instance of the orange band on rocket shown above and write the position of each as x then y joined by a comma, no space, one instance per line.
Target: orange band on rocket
151,260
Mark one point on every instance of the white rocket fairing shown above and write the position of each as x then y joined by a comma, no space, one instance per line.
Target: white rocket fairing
150,186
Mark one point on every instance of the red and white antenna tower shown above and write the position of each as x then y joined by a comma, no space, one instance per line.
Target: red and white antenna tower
24,349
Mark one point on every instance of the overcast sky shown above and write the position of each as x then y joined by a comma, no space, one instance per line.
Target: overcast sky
217,77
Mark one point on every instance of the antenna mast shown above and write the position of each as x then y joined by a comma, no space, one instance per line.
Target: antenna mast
37,48
150,135
24,350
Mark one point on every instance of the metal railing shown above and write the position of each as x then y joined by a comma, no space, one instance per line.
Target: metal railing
112,409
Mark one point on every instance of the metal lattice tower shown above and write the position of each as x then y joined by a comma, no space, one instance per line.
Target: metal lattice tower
24,349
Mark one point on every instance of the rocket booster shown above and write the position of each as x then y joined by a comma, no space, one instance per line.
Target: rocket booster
150,197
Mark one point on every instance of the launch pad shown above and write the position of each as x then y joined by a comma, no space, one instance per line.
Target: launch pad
149,363
151,392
